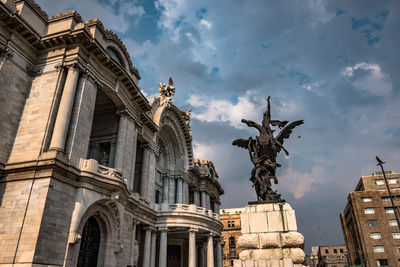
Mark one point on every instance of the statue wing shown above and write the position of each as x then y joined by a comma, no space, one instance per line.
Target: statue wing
280,124
243,143
287,130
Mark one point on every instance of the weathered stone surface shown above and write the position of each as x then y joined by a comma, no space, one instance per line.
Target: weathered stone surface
269,240
292,239
273,253
245,254
249,241
297,255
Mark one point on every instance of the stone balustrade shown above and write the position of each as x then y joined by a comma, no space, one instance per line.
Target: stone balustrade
92,166
189,208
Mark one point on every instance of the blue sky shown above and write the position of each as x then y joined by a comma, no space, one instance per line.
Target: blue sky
332,63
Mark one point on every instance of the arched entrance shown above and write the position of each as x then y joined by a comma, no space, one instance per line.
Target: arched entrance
90,243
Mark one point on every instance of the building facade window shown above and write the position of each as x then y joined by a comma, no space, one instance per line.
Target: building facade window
335,250
398,248
232,247
379,249
392,181
369,211
389,210
326,251
382,262
379,182
366,199
372,223
396,235
375,235
385,198
393,222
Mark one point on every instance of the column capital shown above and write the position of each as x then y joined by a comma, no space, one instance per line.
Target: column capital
163,229
193,230
149,228
129,114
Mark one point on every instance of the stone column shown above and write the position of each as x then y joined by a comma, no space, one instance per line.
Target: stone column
121,140
203,202
208,199
192,247
133,242
165,189
163,248
185,198
202,262
210,251
219,253
147,248
112,154
171,197
179,189
196,199
151,181
64,110
145,172
153,249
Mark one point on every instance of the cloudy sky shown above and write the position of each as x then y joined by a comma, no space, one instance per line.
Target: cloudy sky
331,63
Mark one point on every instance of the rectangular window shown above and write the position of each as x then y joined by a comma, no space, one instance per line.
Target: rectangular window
389,210
382,262
232,223
326,251
229,223
335,250
392,181
379,182
396,235
385,198
393,222
369,211
375,235
398,248
366,199
341,250
372,223
379,249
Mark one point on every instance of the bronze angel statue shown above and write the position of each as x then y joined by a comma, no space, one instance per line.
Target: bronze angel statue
263,151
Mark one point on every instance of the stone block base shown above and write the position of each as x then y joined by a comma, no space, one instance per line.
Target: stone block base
266,263
269,236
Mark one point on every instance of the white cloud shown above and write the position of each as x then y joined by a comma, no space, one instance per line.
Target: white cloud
301,183
214,110
368,78
312,86
205,23
170,12
318,12
118,21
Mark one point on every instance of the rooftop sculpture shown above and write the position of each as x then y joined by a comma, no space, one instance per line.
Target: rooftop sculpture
263,151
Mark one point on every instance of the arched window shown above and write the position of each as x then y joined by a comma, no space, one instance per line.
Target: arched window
90,244
114,55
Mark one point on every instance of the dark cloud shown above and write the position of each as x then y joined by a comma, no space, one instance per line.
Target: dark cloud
332,63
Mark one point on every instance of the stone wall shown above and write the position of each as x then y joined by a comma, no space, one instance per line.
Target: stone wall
33,126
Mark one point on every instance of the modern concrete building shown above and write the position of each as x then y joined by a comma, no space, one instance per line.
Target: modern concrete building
369,223
91,173
332,256
231,232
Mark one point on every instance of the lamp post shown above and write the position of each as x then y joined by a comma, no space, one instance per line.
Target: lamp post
396,212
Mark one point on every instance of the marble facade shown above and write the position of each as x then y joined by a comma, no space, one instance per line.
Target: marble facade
91,173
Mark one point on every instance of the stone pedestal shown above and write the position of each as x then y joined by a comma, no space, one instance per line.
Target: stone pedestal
270,237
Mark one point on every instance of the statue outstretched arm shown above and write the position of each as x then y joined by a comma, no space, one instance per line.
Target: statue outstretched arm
253,124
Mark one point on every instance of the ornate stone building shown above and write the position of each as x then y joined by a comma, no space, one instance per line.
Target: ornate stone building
91,173
230,218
